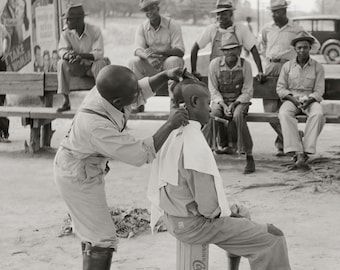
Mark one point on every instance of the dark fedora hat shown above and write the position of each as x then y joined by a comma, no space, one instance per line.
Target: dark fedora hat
303,36
76,11
145,3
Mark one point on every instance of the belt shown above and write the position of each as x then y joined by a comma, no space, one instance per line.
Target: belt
278,60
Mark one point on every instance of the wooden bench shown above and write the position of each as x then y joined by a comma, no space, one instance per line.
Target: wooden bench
45,86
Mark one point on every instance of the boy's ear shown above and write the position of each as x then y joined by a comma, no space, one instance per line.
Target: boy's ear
194,101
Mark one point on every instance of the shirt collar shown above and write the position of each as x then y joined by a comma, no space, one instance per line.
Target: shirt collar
96,102
290,23
223,63
162,24
309,62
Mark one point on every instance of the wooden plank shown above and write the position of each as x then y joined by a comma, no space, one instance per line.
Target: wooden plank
50,113
77,83
14,111
22,83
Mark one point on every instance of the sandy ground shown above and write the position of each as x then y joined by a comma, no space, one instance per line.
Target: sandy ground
305,205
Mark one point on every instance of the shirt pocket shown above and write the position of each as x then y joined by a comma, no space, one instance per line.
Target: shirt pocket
309,82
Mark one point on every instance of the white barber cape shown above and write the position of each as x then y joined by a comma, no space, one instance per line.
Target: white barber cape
197,156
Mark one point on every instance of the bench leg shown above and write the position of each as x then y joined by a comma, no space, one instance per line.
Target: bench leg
47,131
192,257
34,139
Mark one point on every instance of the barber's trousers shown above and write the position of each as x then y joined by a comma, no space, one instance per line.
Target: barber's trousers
273,105
314,125
236,131
66,70
85,198
237,236
142,68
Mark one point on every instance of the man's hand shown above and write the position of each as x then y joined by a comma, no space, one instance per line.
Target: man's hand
226,108
261,78
306,103
274,230
293,100
154,62
197,74
175,74
178,117
233,106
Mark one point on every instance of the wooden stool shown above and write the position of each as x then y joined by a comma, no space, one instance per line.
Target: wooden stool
192,257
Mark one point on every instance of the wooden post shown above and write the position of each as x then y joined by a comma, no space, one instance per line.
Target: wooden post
192,257
47,131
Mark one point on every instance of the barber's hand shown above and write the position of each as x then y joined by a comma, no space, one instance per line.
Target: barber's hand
260,77
197,74
274,230
178,117
175,74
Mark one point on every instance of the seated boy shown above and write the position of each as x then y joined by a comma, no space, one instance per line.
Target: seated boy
185,186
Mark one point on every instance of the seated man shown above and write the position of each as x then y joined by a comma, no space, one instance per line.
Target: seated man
231,86
159,44
301,86
186,186
81,50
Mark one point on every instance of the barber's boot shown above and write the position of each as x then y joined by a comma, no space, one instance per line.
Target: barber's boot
96,258
233,262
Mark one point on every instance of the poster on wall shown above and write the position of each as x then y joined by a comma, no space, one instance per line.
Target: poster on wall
14,15
33,29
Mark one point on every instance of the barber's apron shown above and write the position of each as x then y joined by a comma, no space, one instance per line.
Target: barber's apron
216,44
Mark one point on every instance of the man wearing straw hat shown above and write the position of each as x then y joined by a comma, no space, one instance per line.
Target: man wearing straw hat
230,83
81,50
301,86
159,44
276,39
214,32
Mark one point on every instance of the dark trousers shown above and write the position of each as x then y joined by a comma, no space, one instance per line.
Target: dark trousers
4,121
236,131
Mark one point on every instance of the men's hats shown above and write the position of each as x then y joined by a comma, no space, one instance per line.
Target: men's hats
223,5
229,42
145,3
74,11
303,35
278,4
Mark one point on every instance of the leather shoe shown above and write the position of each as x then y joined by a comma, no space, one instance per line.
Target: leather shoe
63,108
226,151
250,166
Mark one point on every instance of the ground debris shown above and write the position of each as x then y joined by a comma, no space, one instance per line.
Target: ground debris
128,222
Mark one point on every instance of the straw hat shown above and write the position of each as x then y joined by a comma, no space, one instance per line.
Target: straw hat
278,4
229,42
223,5
303,36
74,11
145,3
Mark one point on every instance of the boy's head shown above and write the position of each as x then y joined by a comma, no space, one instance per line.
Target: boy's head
196,97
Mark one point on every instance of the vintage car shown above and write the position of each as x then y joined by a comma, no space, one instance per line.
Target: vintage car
326,29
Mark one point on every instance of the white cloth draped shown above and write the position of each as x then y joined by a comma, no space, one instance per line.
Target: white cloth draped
197,156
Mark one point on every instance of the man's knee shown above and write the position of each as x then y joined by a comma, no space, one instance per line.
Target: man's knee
62,65
98,65
134,63
173,62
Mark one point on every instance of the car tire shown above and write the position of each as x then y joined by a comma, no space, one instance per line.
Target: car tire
332,52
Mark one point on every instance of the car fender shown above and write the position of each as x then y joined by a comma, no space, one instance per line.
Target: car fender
329,42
